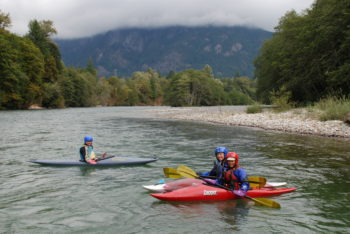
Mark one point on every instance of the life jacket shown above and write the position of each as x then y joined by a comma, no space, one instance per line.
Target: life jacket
230,180
89,154
219,168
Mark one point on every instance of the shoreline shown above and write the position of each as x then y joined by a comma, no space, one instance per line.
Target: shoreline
295,121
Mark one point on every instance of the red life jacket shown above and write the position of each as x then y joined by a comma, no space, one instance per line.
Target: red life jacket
231,179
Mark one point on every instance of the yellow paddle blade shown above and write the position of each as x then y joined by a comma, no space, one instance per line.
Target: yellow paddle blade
186,172
256,181
171,173
265,202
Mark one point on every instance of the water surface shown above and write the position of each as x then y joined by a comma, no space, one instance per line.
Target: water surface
36,199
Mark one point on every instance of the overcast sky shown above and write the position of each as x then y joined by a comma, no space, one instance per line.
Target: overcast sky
80,18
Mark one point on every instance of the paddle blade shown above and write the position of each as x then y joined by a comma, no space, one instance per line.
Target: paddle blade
256,181
186,172
171,173
265,202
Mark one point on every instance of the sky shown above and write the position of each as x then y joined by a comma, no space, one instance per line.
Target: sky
83,18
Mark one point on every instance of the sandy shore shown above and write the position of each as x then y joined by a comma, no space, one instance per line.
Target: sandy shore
295,121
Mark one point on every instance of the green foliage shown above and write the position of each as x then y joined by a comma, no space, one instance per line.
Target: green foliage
333,108
21,68
39,33
5,20
308,54
90,67
281,99
253,109
52,96
31,72
78,88
241,90
194,88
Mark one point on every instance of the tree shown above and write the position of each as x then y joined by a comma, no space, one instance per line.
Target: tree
308,55
90,67
194,88
21,69
5,20
207,69
40,33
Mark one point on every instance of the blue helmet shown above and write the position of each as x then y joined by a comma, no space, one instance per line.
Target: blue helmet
221,149
88,138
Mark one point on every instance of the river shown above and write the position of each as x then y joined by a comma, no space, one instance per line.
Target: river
37,199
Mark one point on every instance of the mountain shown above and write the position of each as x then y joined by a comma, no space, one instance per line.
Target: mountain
228,50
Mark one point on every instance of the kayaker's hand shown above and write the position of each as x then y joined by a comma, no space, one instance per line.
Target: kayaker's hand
104,155
240,193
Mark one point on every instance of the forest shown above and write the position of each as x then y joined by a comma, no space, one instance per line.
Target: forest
307,59
32,73
308,55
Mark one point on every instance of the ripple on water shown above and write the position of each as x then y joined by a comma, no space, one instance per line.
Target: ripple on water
35,199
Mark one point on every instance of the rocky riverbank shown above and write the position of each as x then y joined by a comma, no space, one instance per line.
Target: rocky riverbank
296,121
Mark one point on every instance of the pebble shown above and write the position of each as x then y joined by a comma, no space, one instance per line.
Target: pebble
291,122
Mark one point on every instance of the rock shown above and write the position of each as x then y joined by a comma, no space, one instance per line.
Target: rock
35,107
285,122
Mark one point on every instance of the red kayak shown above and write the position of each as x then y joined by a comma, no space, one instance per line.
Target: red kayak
203,192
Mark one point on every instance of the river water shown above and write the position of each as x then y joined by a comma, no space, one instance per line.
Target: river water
37,199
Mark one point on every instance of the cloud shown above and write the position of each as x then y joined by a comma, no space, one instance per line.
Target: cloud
80,18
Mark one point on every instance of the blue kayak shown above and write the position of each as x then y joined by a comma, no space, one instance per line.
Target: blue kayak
107,162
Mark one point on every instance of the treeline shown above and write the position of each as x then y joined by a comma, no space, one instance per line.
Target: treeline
308,57
32,73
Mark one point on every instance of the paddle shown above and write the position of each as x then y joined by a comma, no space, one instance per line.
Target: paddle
188,172
262,201
171,173
106,157
256,181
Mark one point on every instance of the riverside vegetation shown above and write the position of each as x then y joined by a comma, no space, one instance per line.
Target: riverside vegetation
32,73
306,63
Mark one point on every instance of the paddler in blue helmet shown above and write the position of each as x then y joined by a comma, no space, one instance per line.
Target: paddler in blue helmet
219,164
87,153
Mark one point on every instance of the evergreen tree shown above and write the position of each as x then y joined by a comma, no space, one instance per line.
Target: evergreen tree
309,55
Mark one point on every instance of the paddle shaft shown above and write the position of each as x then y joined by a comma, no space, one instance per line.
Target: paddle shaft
184,170
214,177
100,159
263,201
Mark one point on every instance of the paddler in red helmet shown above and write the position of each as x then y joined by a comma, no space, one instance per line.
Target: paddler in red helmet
235,177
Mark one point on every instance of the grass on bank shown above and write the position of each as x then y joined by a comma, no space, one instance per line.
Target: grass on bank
333,108
253,109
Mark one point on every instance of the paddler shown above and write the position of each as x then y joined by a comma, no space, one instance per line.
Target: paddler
219,164
235,177
87,153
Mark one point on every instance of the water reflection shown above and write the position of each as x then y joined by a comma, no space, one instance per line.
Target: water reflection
86,171
233,212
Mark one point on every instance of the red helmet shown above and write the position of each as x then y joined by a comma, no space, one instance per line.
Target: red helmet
232,156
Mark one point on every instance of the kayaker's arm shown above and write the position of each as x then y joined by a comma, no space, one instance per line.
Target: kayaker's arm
241,175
